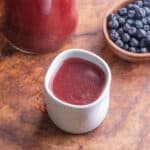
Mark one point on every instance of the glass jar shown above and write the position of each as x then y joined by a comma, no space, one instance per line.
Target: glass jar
38,26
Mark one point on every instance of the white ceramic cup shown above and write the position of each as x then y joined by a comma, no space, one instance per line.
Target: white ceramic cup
77,118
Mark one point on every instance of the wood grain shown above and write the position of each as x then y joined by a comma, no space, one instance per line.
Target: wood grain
24,123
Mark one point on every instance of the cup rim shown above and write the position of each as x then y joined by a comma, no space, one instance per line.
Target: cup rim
91,54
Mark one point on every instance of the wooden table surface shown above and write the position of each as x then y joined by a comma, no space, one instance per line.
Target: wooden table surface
24,123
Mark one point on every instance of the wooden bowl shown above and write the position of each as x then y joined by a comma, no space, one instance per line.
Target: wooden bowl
122,53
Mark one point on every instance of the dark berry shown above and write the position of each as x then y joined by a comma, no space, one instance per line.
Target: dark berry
126,46
117,16
122,11
119,37
148,32
130,21
132,49
119,43
138,50
144,21
140,13
126,27
132,31
112,17
120,31
147,10
121,21
138,24
146,27
132,6
147,40
139,3
141,33
125,37
112,31
143,42
143,50
134,42
131,13
114,35
113,24
148,37
146,3
148,20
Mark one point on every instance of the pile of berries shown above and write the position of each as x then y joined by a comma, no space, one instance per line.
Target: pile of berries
129,27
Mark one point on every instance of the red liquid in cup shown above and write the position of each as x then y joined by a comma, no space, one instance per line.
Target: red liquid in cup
39,25
78,82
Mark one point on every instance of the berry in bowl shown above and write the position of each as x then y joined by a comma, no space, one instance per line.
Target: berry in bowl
127,30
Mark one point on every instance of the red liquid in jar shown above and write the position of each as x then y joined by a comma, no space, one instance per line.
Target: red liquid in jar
39,25
78,82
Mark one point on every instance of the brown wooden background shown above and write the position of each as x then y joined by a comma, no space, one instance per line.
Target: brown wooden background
24,123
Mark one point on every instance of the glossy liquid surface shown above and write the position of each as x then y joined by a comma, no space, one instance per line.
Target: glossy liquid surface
39,25
78,82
